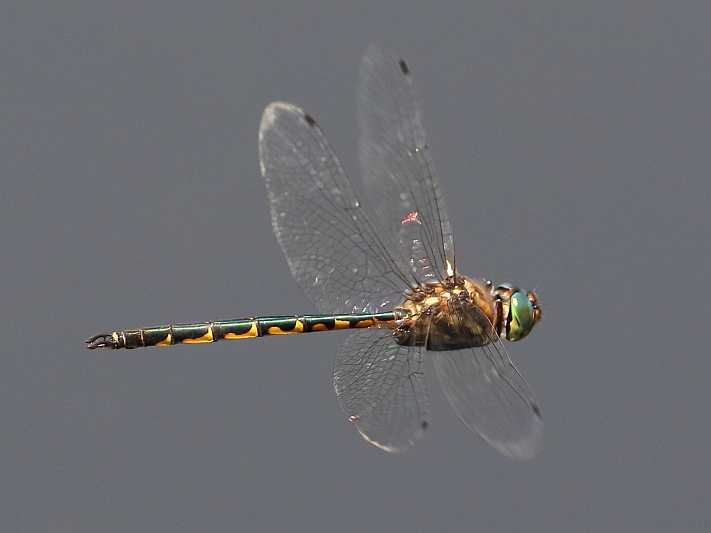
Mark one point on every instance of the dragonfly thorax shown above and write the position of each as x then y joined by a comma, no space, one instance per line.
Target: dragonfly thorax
457,313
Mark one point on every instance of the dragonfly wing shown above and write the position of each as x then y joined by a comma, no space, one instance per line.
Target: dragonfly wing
492,398
397,167
381,388
333,248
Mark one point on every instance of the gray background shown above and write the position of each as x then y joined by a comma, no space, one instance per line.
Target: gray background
573,144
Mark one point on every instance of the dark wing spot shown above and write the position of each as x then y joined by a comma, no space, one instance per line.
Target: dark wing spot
403,67
309,119
425,424
536,410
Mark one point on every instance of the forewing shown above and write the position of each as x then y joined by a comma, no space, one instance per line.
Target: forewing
492,398
334,251
397,168
381,388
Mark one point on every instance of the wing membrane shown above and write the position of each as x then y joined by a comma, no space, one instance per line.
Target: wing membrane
397,168
381,388
492,398
331,244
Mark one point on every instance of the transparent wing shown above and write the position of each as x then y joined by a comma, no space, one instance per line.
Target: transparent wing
331,244
381,388
397,168
492,398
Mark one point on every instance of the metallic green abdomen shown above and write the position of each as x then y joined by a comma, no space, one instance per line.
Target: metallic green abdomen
243,328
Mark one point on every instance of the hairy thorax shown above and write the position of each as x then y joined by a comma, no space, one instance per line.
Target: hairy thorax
458,312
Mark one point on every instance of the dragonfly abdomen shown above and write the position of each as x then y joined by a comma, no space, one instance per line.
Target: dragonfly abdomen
243,328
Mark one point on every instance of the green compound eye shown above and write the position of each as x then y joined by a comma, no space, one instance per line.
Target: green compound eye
521,317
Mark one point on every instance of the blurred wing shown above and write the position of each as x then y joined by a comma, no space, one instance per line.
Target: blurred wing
331,244
397,168
492,398
381,388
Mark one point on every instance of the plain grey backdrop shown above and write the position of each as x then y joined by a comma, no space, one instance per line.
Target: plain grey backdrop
573,144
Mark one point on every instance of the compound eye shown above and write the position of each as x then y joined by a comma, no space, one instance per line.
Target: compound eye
521,316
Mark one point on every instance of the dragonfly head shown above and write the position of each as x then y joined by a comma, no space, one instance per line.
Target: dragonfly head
517,311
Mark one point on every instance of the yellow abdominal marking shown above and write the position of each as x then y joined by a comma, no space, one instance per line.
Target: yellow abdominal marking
251,333
319,327
341,324
166,341
298,328
205,338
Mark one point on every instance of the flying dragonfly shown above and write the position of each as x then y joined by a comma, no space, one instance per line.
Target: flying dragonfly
385,270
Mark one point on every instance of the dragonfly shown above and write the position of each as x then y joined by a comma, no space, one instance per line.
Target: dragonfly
386,270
